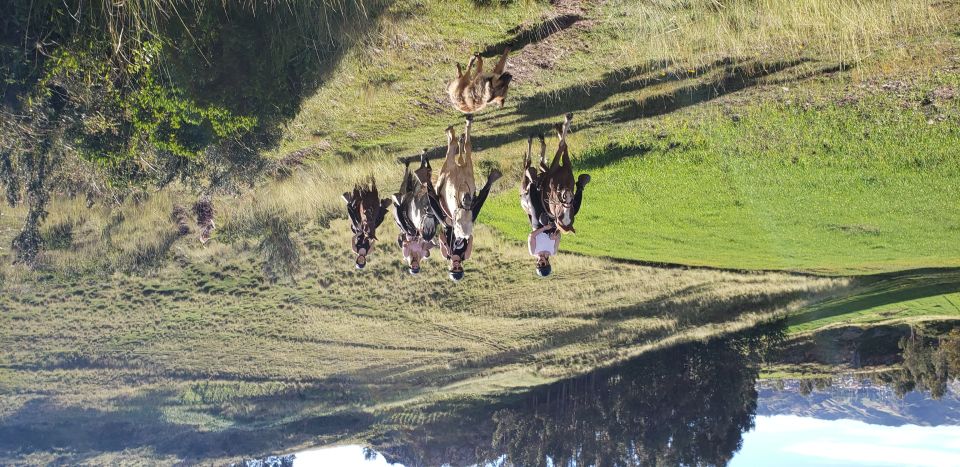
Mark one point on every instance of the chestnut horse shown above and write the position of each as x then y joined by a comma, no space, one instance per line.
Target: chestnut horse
557,184
471,91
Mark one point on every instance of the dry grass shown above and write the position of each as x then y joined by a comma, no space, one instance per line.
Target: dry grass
699,32
211,315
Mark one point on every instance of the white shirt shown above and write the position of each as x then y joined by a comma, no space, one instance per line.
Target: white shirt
544,244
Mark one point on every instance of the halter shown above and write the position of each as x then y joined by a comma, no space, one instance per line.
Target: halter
548,199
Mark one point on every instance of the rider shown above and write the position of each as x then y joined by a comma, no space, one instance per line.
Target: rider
363,236
544,241
542,244
455,249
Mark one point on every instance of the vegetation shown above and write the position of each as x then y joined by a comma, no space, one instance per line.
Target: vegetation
909,296
808,185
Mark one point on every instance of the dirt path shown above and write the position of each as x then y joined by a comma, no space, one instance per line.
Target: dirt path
540,46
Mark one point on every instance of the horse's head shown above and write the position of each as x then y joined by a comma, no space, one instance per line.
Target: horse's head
560,200
462,223
497,88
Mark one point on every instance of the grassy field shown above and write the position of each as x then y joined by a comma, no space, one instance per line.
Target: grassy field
808,185
204,348
809,136
902,297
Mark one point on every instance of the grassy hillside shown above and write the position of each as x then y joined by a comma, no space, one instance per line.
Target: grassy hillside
773,136
204,348
800,183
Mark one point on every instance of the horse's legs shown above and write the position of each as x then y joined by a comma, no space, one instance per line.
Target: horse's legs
452,149
527,159
467,146
539,212
563,138
578,196
435,207
406,183
468,75
479,60
424,160
543,153
502,64
482,196
556,157
527,162
566,158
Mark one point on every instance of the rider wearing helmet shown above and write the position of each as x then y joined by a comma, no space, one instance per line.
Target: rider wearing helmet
455,249
542,244
363,236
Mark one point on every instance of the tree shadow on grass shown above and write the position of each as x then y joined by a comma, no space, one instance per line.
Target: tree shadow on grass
78,434
610,154
620,81
532,35
732,76
886,290
264,61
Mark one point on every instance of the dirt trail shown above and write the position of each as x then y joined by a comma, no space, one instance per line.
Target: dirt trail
540,46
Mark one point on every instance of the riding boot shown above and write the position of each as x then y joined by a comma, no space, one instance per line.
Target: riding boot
493,176
582,181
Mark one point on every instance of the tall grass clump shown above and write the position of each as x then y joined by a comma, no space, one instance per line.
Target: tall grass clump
701,31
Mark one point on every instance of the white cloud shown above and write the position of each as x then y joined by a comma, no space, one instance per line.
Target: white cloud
791,440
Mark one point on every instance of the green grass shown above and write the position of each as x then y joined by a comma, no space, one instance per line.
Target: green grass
206,345
907,297
853,189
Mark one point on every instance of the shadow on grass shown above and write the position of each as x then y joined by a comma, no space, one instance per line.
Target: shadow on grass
734,77
624,80
610,154
886,289
532,35
79,434
731,76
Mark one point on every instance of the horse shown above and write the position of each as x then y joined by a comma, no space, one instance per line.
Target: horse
471,91
412,206
370,208
455,184
557,185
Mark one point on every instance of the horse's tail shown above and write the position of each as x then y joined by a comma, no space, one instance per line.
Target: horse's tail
429,228
407,183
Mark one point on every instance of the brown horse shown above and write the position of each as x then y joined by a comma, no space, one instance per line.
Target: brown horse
471,91
370,207
366,211
456,187
557,184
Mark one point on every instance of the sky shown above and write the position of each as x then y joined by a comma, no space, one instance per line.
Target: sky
789,440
